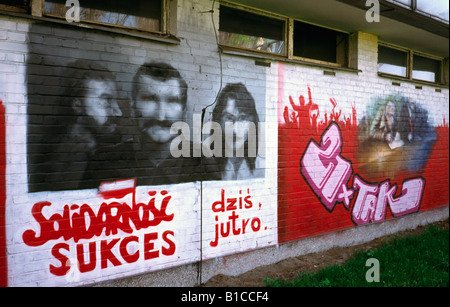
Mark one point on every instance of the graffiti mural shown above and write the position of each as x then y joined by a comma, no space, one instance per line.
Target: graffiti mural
236,105
91,140
91,136
120,176
121,155
357,170
396,134
235,216
328,174
72,225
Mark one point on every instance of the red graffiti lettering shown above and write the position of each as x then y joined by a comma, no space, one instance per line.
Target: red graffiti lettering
83,266
232,203
65,267
124,251
233,224
112,253
107,254
86,224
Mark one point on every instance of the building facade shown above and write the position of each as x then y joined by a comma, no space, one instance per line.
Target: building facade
172,140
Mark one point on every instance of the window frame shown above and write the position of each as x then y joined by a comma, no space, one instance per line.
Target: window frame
13,8
410,64
430,57
261,13
415,7
408,60
168,33
321,62
162,30
288,55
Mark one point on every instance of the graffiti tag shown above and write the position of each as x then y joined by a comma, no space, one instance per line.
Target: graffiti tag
328,175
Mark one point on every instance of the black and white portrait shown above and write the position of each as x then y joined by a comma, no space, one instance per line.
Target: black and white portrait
86,125
236,113
159,100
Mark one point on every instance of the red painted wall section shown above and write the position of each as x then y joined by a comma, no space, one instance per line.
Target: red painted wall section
3,260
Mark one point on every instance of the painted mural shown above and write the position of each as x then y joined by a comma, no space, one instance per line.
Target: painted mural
124,175
125,160
358,170
88,138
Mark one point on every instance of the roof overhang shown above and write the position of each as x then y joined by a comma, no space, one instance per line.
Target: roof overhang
398,25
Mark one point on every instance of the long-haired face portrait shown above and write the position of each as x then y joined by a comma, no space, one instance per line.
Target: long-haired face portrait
236,108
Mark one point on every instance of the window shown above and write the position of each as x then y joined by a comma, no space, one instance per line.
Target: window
436,8
426,69
248,30
144,15
319,43
405,2
392,61
15,5
410,65
153,19
251,31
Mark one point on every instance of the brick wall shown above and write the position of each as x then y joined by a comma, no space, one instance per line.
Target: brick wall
65,226
352,100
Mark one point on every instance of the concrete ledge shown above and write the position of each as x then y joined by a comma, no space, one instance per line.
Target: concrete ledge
237,264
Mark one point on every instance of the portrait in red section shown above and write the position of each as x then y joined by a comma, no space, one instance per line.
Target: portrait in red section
395,137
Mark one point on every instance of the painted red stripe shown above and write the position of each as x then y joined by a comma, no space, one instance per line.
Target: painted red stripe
3,260
117,189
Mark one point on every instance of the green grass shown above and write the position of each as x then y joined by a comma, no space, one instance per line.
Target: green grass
413,261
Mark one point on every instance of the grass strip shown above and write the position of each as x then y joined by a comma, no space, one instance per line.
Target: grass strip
412,261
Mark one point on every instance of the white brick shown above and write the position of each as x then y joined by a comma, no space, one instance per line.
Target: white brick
23,26
6,24
17,36
15,57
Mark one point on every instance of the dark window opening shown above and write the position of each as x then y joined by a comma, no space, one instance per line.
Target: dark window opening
16,4
319,43
145,15
392,61
426,69
251,31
